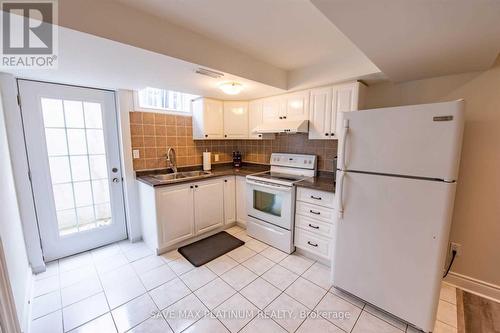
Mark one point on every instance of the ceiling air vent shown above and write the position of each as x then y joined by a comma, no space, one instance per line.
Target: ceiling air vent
208,72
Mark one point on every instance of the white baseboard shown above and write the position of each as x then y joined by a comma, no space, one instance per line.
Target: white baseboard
475,286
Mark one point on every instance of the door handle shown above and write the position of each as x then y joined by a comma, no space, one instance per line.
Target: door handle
340,199
116,180
344,141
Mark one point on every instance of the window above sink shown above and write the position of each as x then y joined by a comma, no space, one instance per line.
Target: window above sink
162,100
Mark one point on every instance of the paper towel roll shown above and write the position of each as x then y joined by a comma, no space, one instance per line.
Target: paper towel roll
207,161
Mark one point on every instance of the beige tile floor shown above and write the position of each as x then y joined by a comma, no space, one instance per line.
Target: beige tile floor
123,287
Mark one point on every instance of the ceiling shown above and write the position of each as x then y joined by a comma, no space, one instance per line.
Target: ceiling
87,60
410,39
288,34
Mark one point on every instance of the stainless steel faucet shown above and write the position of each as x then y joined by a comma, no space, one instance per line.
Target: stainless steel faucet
171,160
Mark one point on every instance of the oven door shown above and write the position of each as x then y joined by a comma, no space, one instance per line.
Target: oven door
270,203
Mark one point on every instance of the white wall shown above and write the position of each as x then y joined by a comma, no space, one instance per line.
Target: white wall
476,218
11,232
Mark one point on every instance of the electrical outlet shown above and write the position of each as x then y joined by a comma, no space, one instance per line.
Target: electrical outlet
457,247
135,153
216,157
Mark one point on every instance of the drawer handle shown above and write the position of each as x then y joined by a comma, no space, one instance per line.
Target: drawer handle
312,244
313,212
315,198
313,226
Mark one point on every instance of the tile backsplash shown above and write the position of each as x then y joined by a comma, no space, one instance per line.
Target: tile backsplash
152,133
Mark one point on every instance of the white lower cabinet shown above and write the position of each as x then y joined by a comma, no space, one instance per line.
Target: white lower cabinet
175,213
174,205
230,199
208,205
314,227
241,199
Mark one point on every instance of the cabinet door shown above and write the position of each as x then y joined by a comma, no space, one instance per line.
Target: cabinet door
229,199
208,205
213,119
235,120
320,113
241,199
175,214
273,109
297,105
255,118
345,98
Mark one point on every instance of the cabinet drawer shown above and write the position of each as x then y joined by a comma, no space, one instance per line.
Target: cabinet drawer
314,226
322,198
313,243
314,211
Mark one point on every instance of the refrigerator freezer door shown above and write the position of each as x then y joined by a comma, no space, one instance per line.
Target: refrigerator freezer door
418,140
391,243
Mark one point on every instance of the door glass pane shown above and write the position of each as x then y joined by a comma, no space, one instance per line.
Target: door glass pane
267,202
76,142
73,113
78,168
56,141
59,169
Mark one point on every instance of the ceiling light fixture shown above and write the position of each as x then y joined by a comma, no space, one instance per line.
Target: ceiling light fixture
231,88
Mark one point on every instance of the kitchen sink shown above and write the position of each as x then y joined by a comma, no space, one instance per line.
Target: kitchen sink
180,175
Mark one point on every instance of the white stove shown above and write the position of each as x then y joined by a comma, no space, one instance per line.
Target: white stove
271,199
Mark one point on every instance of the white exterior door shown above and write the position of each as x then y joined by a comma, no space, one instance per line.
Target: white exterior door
397,140
391,242
73,151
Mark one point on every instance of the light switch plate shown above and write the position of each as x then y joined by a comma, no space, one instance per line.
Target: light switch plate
216,157
135,153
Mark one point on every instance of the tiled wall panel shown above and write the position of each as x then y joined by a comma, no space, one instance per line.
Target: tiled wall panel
152,133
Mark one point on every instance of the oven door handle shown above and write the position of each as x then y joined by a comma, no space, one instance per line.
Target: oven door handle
266,185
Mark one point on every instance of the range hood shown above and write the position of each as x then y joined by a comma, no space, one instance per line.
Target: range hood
283,126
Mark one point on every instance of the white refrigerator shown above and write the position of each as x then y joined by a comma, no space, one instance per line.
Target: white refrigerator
396,179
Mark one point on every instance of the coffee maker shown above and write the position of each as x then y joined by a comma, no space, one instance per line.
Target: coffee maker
236,159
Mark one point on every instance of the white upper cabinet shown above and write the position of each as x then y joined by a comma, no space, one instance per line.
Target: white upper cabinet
327,103
255,119
297,105
208,119
273,108
320,113
235,120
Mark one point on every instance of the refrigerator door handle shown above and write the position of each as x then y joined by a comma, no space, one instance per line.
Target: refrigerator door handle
340,200
344,142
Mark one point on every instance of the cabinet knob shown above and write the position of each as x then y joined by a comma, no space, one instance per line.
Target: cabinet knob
284,117
281,117
225,180
191,186
327,134
196,186
260,135
332,134
206,135
225,135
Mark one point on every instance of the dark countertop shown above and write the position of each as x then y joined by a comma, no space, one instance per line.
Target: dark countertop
323,182
217,171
